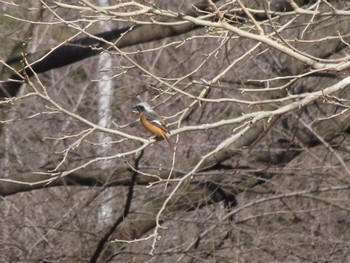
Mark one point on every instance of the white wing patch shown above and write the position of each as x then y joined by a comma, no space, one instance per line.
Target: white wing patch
157,122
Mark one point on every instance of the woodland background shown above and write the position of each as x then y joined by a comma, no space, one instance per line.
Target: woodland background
255,93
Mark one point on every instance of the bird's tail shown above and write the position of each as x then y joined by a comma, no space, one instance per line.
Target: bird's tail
168,141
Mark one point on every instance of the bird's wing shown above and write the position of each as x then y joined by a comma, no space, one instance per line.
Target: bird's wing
156,120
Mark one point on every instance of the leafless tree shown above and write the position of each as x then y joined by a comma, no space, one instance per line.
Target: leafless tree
255,95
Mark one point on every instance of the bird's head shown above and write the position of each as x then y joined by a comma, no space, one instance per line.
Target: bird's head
143,107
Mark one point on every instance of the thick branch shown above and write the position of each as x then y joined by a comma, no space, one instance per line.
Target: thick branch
28,181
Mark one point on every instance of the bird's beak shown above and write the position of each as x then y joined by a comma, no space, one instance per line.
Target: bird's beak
135,109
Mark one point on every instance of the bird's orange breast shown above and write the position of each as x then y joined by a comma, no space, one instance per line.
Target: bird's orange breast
151,127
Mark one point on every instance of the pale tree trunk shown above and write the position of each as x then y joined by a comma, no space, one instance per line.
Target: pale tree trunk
105,92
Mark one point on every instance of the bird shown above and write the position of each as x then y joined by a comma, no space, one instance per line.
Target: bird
152,121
